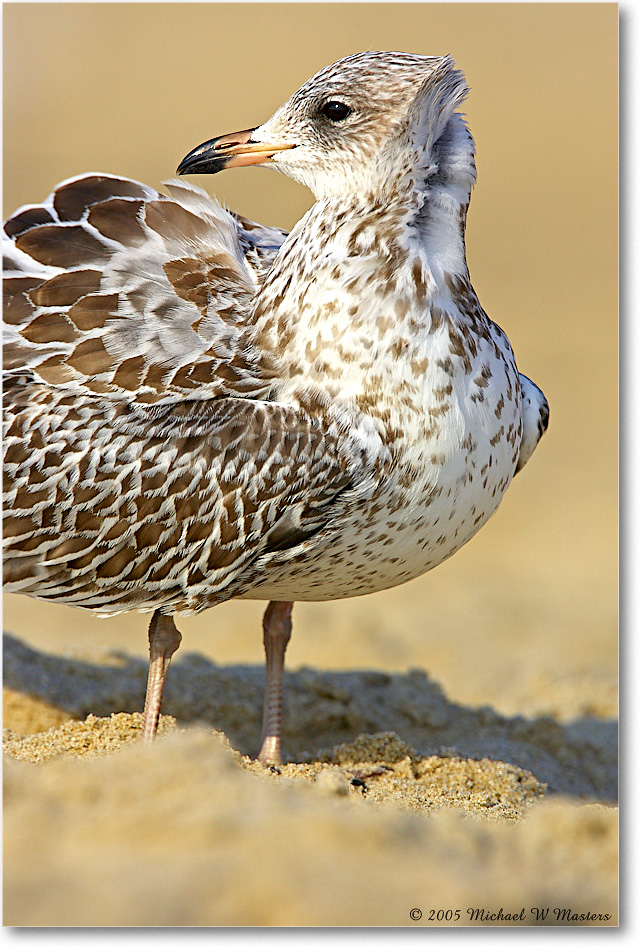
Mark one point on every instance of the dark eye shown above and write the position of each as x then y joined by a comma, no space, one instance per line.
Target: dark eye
336,111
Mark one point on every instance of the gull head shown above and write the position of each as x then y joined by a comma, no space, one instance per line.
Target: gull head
356,127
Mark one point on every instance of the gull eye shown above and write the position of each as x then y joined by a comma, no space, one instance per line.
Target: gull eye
336,111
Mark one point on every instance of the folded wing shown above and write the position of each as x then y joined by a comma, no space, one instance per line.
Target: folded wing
535,416
116,507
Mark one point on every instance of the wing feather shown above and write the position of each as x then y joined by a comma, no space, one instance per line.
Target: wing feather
115,506
112,288
535,417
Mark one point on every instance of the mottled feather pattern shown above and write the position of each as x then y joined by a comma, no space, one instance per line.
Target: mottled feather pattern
198,407
116,507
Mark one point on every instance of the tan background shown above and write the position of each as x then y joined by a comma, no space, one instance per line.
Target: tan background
130,88
523,620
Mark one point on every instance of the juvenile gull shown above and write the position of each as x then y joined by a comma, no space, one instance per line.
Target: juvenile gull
198,407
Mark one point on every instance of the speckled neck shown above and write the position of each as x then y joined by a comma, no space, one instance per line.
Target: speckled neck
360,272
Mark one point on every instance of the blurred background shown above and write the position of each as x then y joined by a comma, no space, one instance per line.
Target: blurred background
524,618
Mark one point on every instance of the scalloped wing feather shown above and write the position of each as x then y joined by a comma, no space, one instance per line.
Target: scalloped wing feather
114,289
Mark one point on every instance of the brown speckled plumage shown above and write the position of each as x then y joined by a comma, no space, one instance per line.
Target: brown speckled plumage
199,408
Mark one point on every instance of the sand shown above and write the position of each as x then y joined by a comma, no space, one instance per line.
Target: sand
396,800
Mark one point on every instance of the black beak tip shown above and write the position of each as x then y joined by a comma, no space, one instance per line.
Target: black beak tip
202,160
202,166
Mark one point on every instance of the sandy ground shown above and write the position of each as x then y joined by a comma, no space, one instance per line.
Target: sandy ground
396,800
451,744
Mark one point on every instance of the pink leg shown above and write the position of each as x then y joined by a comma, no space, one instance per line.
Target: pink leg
164,640
277,628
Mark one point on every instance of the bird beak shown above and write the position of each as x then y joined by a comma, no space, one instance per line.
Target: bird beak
228,151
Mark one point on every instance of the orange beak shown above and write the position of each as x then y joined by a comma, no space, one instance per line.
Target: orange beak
228,151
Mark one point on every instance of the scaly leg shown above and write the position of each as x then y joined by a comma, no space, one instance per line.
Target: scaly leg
277,628
164,640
